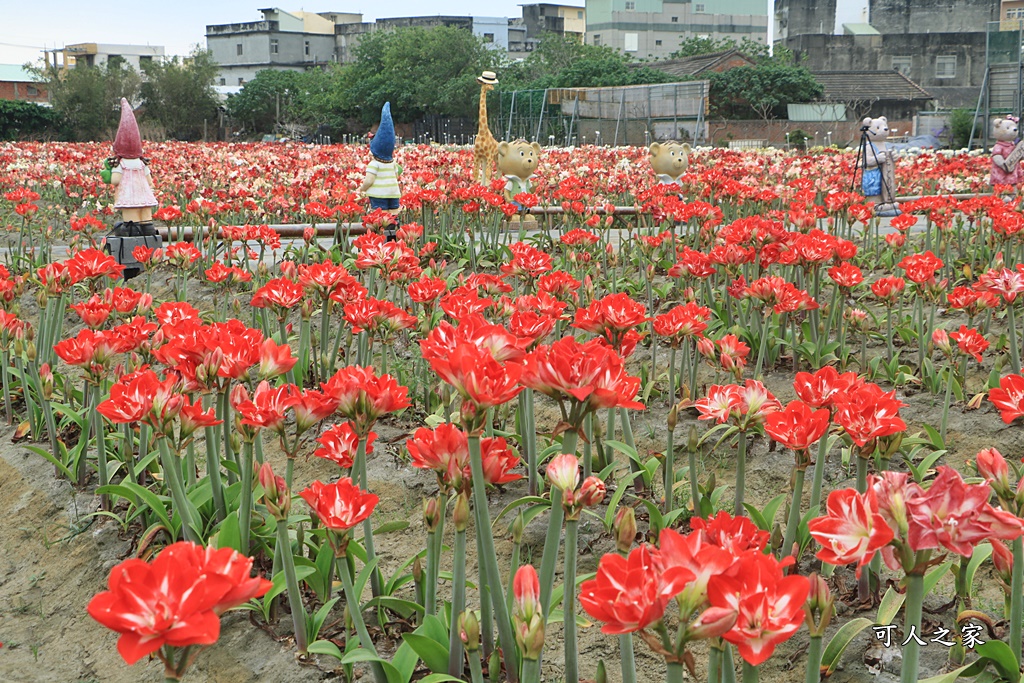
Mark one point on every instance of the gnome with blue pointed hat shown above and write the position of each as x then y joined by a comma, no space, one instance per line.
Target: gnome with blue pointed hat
381,183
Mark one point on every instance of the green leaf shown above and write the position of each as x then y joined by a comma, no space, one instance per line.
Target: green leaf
316,623
68,474
657,521
981,553
1002,658
947,677
613,503
931,579
363,655
840,641
324,647
626,450
403,607
434,628
229,536
391,527
146,496
889,607
433,654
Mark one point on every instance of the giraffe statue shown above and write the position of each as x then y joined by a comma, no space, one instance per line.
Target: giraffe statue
485,149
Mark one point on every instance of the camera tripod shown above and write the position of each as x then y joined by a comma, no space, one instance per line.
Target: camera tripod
887,207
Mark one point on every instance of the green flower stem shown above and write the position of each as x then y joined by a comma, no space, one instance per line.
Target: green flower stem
588,440
946,402
172,475
458,605
1017,597
486,618
864,582
513,568
490,560
671,375
245,498
669,480
741,475
751,674
763,349
691,456
284,544
531,671
715,662
794,513
628,662
477,672
224,414
819,472
627,436
675,673
609,435
356,613
212,469
728,668
912,619
813,673
359,468
430,587
572,672
101,445
549,560
529,439
1014,353
5,359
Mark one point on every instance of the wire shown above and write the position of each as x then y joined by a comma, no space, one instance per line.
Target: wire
27,47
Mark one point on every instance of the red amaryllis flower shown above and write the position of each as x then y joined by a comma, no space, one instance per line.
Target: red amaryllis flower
888,289
563,472
312,406
280,294
797,426
631,594
957,516
920,268
769,606
530,326
991,465
970,341
175,600
681,322
962,298
275,359
92,263
820,389
89,348
1004,282
339,443
527,261
498,460
846,276
735,534
590,376
194,417
341,505
426,290
143,397
745,406
611,317
852,531
267,407
867,413
94,312
1009,397
481,381
696,554
445,450
363,397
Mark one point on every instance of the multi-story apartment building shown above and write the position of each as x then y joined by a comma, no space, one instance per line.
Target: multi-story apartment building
653,29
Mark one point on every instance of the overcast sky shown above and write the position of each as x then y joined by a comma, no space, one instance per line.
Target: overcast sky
30,26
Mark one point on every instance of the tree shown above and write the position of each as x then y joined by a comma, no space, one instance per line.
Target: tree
20,120
266,100
179,93
760,90
86,98
756,51
419,70
562,62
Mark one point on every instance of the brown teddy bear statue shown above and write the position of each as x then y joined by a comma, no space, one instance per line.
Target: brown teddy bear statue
669,160
517,161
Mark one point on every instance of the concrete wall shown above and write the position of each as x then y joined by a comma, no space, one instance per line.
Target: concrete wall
294,51
654,29
932,16
496,27
842,132
800,17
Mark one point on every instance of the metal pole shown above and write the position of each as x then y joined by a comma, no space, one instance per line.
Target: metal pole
618,118
540,120
1020,34
649,113
675,112
511,113
572,120
700,115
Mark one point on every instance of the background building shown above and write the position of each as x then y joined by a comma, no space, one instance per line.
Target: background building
653,29
102,54
290,41
937,44
18,84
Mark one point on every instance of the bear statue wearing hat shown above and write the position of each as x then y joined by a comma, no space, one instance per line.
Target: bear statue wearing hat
129,173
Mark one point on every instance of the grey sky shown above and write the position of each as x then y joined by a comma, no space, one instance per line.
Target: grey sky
27,27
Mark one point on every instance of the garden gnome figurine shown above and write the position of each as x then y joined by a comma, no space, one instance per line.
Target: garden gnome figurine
878,181
1006,153
381,183
133,194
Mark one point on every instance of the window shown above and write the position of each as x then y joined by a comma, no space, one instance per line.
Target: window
945,66
307,48
902,64
630,5
698,8
542,10
33,91
274,46
675,20
145,59
658,43
238,49
631,42
488,37
1015,13
241,81
223,81
597,39
579,15
114,61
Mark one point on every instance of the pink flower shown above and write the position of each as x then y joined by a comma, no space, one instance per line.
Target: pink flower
852,531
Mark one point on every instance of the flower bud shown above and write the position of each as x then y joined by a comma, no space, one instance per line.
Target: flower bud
460,514
673,418
469,631
624,528
276,495
564,472
1002,559
592,492
940,338
601,676
819,605
494,665
712,623
991,465
30,352
46,376
289,270
431,513
706,347
517,528
417,570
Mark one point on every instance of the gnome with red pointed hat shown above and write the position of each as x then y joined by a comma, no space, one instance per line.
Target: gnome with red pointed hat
133,196
129,172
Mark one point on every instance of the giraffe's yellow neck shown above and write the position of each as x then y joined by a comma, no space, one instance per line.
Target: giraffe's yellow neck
483,108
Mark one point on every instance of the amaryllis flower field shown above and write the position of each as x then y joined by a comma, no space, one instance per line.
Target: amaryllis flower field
732,429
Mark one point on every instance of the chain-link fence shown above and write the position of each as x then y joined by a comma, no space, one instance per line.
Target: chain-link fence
624,115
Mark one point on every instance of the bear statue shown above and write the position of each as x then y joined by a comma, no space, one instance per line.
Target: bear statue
1006,169
669,160
878,182
517,161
